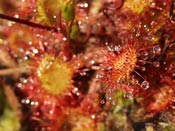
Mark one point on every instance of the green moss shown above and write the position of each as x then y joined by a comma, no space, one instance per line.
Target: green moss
9,120
118,119
100,127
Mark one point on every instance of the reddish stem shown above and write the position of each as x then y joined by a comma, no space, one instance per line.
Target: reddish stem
172,7
172,15
26,22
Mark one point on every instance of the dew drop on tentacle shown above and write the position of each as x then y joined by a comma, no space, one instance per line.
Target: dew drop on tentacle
75,90
113,4
156,64
93,116
156,49
102,102
114,102
173,75
109,95
128,95
25,101
98,76
143,68
143,54
145,85
82,7
82,73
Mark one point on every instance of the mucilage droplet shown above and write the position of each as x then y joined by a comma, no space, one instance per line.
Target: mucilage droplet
113,4
145,85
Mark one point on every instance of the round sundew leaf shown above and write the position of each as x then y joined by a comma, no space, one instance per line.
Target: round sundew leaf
48,11
126,62
137,6
81,122
21,40
54,74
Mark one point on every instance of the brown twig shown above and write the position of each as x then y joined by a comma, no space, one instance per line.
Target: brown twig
6,59
11,71
12,99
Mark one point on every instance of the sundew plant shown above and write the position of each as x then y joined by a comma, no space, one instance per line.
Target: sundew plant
87,65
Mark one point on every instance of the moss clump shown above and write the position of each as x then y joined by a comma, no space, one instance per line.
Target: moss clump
9,119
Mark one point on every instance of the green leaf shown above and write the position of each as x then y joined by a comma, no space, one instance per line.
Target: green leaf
68,11
74,31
